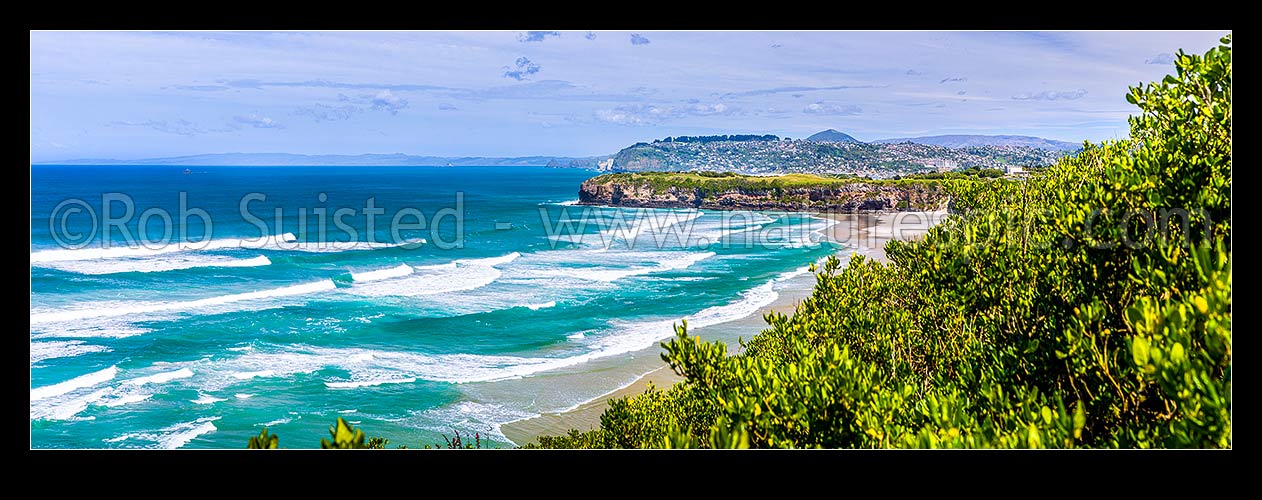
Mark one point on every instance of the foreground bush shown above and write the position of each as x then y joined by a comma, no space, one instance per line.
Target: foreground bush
347,437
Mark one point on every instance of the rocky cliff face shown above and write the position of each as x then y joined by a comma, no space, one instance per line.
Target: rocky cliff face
858,196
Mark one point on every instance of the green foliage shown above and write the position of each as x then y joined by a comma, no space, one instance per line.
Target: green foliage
636,422
1089,306
967,173
347,437
344,437
718,138
264,441
717,174
573,439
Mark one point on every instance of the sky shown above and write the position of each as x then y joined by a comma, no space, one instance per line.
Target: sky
131,95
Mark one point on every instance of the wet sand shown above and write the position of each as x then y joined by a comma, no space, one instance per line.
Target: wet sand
864,234
870,232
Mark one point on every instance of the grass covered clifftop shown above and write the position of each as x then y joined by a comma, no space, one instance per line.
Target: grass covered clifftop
795,192
716,181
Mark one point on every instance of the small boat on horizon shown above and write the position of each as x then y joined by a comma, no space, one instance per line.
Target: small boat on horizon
187,171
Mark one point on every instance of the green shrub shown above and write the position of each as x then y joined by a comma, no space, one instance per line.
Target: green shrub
344,437
264,441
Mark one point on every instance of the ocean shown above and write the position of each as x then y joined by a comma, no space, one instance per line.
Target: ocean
477,296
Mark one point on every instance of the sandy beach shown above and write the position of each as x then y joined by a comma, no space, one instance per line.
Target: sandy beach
864,234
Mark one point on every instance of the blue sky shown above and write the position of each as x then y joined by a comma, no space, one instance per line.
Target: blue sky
570,93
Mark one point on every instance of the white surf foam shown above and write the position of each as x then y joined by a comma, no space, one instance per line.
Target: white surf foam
120,252
261,260
369,383
80,382
41,351
64,401
203,399
457,276
470,417
126,399
629,337
545,305
282,242
128,309
490,261
449,265
452,277
160,377
107,329
172,437
725,226
429,281
153,264
343,246
658,222
809,233
792,274
57,408
381,274
181,434
612,274
250,375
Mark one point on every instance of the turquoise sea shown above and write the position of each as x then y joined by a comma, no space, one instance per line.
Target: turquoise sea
154,343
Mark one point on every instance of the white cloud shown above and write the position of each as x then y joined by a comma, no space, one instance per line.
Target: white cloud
828,108
387,101
324,113
177,127
1052,95
536,36
708,109
384,100
256,121
521,69
650,114
642,114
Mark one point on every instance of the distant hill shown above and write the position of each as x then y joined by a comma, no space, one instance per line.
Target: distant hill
972,141
831,135
398,159
773,157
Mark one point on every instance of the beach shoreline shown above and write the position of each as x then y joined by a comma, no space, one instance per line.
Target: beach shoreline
860,233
